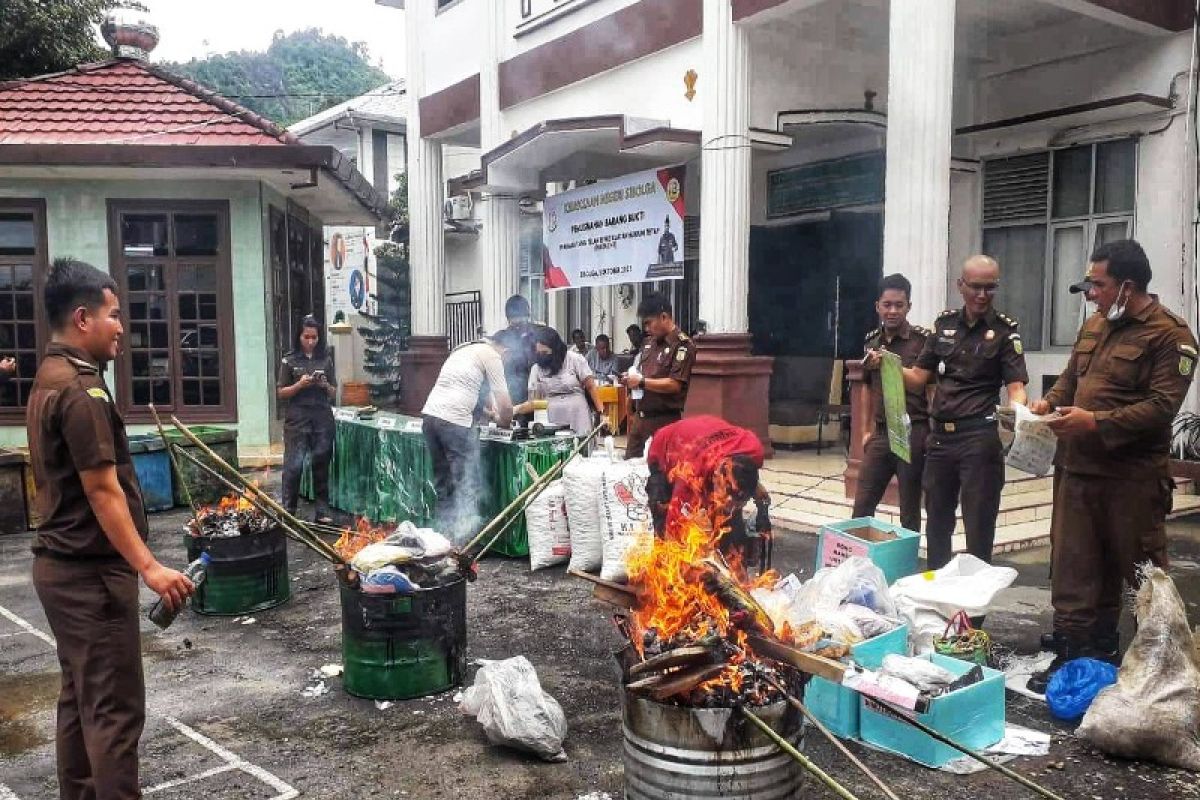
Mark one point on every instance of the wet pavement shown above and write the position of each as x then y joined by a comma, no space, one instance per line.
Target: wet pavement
227,719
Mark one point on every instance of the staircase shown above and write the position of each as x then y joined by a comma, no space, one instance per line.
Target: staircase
807,492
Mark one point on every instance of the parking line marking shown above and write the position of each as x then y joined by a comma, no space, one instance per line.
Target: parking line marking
189,779
286,792
7,793
25,626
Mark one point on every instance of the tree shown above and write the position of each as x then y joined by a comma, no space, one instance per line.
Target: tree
42,36
386,334
298,75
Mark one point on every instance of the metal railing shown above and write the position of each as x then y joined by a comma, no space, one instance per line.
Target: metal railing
464,317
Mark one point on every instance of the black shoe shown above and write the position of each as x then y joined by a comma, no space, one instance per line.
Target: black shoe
1067,650
323,517
1049,641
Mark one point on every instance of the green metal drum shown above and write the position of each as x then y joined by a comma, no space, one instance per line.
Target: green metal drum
246,573
396,647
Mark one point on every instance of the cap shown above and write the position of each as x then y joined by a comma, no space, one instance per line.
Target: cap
1083,286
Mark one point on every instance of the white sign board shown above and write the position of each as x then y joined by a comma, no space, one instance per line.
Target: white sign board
627,230
349,271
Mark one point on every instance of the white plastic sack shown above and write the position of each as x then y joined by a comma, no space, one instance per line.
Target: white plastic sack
928,600
925,675
546,522
582,484
509,703
1153,710
856,580
624,514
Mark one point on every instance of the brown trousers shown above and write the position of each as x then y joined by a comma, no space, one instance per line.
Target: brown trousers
878,466
642,428
1101,530
92,608
970,465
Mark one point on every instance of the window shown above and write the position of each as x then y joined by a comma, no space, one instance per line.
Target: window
1043,215
172,263
22,323
533,284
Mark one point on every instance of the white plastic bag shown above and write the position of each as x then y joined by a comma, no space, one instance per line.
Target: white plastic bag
928,600
624,514
509,703
546,522
856,580
1029,441
582,484
925,675
1153,710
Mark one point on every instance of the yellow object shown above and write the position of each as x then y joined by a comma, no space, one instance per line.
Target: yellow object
541,405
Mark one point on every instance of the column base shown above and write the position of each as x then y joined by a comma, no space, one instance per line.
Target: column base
419,368
728,382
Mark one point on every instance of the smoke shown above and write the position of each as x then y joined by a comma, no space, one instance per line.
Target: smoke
458,516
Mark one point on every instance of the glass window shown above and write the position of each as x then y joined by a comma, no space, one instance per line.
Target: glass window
144,234
1072,182
196,234
1116,176
1070,263
1021,251
17,234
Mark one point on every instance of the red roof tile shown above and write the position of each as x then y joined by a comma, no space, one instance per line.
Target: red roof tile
126,102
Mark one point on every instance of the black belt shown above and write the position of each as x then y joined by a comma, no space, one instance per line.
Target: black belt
881,424
963,425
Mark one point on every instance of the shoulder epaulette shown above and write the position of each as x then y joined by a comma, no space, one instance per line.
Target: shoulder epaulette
875,332
949,312
82,366
1007,320
922,331
683,337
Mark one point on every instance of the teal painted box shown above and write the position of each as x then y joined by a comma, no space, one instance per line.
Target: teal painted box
972,716
836,706
891,548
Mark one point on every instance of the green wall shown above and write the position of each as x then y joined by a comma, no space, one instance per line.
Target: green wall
77,225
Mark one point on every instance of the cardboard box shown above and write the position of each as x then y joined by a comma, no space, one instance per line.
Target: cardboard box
891,548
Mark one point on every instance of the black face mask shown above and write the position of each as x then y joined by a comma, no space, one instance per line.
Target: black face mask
545,359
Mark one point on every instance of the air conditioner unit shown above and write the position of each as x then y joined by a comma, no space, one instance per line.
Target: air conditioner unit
458,207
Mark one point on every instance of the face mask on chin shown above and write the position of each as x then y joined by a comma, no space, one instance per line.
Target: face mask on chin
1117,310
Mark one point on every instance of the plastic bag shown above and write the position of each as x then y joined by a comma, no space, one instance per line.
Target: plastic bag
926,676
869,622
425,542
509,703
624,514
1153,710
546,522
388,580
929,600
1073,688
581,491
856,580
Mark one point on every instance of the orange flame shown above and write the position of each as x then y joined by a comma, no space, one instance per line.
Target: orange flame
355,539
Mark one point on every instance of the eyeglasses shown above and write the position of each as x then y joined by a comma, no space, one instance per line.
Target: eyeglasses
980,288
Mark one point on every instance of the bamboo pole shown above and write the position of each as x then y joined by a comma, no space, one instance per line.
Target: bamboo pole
800,758
187,493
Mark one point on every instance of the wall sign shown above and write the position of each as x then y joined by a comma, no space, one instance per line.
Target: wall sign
851,181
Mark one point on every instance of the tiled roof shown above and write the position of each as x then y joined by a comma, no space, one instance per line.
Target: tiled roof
126,101
387,103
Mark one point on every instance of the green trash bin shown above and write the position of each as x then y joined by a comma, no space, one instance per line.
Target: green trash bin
205,489
245,573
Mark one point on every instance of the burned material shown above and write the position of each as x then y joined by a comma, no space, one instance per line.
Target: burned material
247,550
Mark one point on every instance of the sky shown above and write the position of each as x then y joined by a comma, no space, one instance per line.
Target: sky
193,30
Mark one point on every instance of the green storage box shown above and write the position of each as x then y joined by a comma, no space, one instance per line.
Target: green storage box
891,548
205,489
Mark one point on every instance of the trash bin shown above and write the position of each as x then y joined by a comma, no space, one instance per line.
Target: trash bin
153,468
245,573
205,488
14,517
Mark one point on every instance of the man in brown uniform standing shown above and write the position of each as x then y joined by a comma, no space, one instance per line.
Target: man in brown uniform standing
90,547
665,362
1129,371
971,354
879,463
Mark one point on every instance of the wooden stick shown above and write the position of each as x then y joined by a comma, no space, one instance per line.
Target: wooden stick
675,682
805,662
679,657
187,493
800,758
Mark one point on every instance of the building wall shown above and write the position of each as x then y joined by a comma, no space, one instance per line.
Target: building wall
77,225
584,13
452,44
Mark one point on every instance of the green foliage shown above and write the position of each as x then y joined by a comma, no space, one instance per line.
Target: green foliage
387,332
42,36
315,69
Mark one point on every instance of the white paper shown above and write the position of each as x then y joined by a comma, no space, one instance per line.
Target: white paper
1033,443
387,423
1017,741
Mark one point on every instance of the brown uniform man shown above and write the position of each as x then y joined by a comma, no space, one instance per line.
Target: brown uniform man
971,354
879,463
665,364
90,547
1129,371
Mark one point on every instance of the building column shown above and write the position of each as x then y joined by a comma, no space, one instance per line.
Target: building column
726,380
427,346
501,235
919,130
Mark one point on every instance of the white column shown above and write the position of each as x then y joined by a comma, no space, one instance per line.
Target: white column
724,88
426,191
919,108
501,217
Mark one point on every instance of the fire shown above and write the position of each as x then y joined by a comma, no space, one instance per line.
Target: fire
668,571
232,504
354,539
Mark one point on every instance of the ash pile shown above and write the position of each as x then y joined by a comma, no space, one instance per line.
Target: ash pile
232,516
400,560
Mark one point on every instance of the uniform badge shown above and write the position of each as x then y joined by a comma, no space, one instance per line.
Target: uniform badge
100,394
991,334
680,354
1018,348
1185,366
941,368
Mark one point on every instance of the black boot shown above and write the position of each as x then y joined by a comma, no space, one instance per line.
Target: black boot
1107,646
1067,649
1049,641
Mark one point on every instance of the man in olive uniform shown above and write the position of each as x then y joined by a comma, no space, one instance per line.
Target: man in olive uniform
665,366
971,354
879,463
1129,371
90,547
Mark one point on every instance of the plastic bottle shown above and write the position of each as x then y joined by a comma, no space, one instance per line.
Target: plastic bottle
162,616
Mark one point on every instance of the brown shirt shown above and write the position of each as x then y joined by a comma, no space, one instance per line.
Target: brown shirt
669,357
971,362
1134,374
908,344
73,425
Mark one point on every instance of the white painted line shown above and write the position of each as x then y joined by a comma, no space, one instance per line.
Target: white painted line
189,779
25,626
286,792
7,793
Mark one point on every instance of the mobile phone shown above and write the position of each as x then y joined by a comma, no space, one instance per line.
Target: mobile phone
318,375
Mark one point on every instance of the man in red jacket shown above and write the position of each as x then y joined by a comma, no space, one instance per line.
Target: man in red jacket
695,462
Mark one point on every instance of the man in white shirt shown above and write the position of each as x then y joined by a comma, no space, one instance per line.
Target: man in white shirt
449,435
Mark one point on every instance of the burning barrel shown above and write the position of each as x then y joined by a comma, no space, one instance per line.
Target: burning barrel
400,646
248,568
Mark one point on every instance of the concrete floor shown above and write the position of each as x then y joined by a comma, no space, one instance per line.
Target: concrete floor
227,719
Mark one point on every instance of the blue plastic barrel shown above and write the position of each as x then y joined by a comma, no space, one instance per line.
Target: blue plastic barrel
153,467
